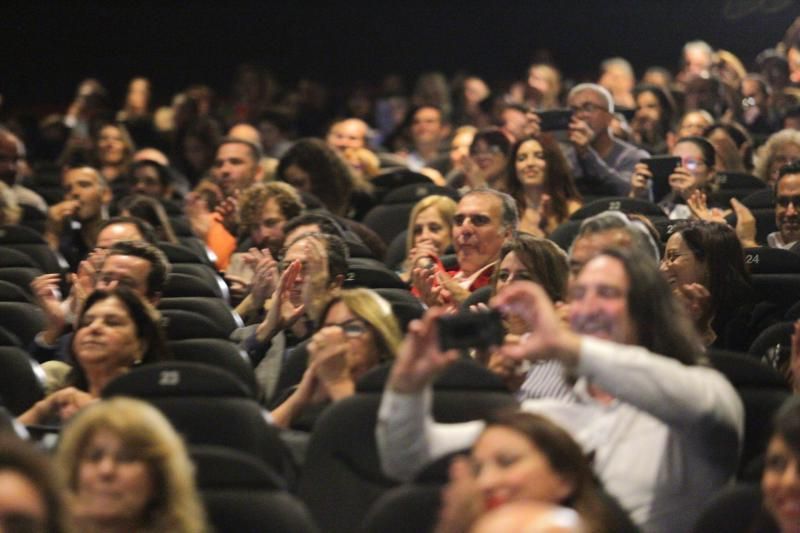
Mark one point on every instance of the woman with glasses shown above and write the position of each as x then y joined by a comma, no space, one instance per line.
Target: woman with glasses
487,161
357,332
696,171
704,264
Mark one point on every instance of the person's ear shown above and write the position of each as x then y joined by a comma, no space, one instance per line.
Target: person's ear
337,282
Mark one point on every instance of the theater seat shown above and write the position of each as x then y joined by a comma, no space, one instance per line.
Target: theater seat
21,380
618,203
731,510
342,478
236,511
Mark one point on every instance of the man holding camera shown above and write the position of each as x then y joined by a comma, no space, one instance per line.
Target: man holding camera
602,164
664,429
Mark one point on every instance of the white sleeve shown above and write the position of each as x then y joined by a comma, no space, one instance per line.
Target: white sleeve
684,397
408,438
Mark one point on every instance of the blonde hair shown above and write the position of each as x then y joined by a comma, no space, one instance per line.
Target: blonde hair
370,307
766,153
146,432
446,207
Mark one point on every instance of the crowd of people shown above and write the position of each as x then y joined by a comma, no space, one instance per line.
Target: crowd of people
610,314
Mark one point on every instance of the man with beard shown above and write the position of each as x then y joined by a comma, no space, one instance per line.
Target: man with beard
73,224
664,429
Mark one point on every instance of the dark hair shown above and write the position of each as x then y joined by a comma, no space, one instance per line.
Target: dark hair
327,224
148,329
145,229
785,170
335,248
661,324
665,101
159,264
330,177
545,262
717,246
558,182
492,137
164,175
565,458
151,211
704,145
786,423
255,150
20,457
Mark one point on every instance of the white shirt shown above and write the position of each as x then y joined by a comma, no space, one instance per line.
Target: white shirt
669,440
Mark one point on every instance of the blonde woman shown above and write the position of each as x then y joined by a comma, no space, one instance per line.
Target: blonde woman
126,469
430,226
358,332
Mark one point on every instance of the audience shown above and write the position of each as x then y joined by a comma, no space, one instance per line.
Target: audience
662,430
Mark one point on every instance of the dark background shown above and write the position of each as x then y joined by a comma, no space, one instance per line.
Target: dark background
51,47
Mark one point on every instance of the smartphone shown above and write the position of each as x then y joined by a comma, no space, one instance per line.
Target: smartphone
661,166
471,330
554,119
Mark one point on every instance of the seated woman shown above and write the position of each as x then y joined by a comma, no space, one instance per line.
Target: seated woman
126,469
116,330
523,457
531,258
31,499
539,180
113,151
429,234
488,160
654,116
780,480
704,264
696,171
358,332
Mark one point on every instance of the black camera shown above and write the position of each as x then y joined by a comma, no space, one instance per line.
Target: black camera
467,330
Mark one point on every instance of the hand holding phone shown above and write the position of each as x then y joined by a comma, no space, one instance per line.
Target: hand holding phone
661,167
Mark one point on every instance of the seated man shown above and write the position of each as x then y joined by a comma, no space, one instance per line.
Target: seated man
138,264
73,224
663,428
601,163
787,214
312,270
484,219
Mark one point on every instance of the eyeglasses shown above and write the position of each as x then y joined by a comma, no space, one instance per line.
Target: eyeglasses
491,150
588,107
352,328
477,220
691,164
784,201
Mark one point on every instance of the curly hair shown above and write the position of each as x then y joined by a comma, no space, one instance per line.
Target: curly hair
253,199
331,180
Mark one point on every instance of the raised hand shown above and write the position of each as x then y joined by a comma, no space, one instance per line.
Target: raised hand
745,224
228,210
698,204
48,296
419,359
544,337
283,313
462,499
580,134
639,180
